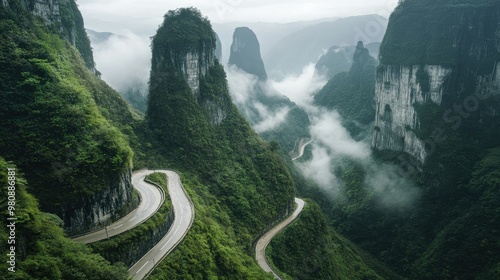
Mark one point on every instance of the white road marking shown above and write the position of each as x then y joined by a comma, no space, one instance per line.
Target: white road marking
118,226
142,267
132,219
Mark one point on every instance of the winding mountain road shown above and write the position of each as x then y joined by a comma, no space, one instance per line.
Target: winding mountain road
151,200
260,247
184,216
302,147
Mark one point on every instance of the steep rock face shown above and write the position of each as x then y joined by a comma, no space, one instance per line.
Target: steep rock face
101,208
245,53
74,156
189,58
193,61
397,91
218,48
65,17
443,69
47,9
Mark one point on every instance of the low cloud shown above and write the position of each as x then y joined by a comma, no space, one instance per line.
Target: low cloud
320,170
332,144
244,89
328,131
300,89
124,61
241,84
271,120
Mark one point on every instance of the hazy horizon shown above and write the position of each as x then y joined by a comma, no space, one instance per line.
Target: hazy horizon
144,17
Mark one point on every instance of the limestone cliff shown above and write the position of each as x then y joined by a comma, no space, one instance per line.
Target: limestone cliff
100,208
245,53
218,48
186,58
445,58
64,16
397,91
67,141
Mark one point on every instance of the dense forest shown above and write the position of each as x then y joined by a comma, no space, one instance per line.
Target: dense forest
71,137
451,230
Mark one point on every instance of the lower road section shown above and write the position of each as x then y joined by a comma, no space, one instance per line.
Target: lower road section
260,247
151,200
184,216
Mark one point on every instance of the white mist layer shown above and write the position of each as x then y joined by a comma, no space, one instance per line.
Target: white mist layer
243,87
124,61
332,144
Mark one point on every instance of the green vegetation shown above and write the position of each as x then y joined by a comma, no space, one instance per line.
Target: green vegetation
450,232
238,183
310,249
74,31
42,250
54,114
182,27
424,32
294,127
130,246
211,249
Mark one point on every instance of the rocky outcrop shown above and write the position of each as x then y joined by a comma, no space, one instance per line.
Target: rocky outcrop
100,208
447,70
193,64
245,53
218,48
397,92
65,17
190,58
47,9
273,115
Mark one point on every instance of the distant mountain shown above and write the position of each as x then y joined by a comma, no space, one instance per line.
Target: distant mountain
292,53
339,59
100,37
268,33
218,47
272,114
245,53
351,93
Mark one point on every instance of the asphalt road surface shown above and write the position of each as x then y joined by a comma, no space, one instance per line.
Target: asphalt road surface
302,147
184,216
260,247
151,200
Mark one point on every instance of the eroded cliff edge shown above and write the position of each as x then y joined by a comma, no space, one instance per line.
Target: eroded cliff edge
429,56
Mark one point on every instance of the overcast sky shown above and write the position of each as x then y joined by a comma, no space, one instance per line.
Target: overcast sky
143,17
